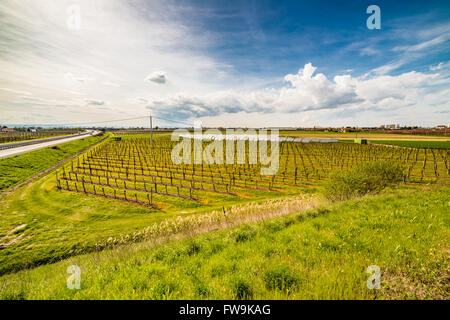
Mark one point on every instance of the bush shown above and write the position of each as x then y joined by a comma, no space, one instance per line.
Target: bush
280,277
371,177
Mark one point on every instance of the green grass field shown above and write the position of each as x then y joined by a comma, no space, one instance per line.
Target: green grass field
316,254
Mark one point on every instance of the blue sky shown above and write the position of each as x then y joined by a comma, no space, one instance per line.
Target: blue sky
226,63
273,37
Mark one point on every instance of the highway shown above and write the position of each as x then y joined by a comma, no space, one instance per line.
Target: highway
6,153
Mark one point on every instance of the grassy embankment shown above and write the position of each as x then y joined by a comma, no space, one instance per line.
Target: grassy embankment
16,169
317,254
39,224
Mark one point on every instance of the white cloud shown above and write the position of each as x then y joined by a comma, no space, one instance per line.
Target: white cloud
110,84
71,77
142,100
311,91
16,91
94,102
117,41
423,45
157,77
368,51
409,53
385,69
437,67
307,91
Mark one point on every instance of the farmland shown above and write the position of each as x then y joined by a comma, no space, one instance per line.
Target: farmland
130,170
230,152
125,192
366,135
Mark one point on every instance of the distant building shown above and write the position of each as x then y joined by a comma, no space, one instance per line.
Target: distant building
442,126
390,126
7,130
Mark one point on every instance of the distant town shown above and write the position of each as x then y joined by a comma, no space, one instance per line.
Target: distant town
388,128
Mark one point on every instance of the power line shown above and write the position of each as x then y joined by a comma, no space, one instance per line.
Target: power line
176,121
118,120
106,121
92,122
136,118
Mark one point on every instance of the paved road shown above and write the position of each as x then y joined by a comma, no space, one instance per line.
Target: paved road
24,149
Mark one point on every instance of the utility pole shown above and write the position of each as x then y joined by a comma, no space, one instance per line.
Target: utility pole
151,133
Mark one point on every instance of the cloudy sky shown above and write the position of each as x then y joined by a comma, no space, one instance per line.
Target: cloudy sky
226,63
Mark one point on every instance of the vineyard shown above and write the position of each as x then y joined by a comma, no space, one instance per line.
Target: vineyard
128,169
23,136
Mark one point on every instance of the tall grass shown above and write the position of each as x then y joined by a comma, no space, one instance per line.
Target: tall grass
179,227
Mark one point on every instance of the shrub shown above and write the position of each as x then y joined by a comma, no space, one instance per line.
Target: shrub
280,277
241,289
371,177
